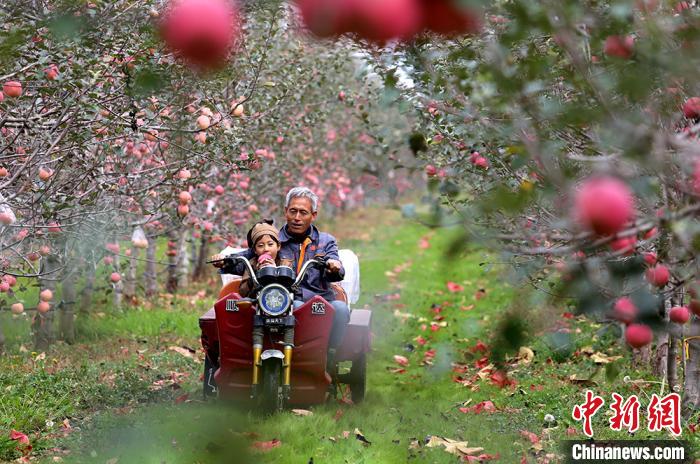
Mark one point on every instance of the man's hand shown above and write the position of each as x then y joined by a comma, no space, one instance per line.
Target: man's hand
219,261
333,265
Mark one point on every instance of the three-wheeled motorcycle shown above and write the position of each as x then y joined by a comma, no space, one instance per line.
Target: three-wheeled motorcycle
262,352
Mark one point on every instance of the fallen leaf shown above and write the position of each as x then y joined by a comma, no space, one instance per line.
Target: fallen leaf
186,352
19,437
454,287
182,398
458,448
112,461
479,294
346,433
601,358
302,412
266,445
361,437
467,308
484,406
400,360
40,357
525,355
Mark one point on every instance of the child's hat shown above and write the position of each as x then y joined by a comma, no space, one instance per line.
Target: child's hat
263,229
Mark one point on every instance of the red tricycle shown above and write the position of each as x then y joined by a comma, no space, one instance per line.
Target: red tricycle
264,353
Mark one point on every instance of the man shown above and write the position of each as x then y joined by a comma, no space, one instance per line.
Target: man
301,241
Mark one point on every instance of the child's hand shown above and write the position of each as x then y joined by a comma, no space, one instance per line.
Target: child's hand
265,259
219,260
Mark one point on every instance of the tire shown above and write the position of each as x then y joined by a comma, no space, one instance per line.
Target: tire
358,378
272,400
208,382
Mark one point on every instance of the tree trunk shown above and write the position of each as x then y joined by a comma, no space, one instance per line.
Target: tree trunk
118,286
130,278
171,283
672,370
42,324
183,261
691,381
200,266
66,328
88,289
641,357
2,341
661,358
150,276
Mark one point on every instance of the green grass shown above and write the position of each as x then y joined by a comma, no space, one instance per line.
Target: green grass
401,410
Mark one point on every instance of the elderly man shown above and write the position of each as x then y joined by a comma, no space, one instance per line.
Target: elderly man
301,241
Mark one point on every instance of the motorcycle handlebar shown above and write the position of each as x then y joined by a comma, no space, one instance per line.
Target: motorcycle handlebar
234,258
305,267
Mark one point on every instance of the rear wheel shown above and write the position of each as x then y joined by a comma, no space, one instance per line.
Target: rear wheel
272,397
358,378
208,382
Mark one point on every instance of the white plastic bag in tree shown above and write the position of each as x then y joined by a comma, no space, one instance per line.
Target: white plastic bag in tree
7,216
226,278
351,282
138,238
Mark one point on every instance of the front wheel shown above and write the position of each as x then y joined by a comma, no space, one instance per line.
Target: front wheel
272,397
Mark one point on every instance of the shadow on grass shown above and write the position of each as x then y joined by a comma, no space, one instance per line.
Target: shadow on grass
187,433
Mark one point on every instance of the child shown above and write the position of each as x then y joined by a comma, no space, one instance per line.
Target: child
265,243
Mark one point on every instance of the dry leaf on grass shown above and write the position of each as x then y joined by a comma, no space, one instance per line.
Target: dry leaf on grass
455,447
602,358
525,355
266,445
302,412
183,351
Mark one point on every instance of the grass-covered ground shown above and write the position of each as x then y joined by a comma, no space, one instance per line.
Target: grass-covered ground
129,390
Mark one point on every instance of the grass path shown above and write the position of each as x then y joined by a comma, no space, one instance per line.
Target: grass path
130,391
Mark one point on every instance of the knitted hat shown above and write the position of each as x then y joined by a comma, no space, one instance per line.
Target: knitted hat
259,230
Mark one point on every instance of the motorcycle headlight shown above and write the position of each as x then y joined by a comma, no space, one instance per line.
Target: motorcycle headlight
274,299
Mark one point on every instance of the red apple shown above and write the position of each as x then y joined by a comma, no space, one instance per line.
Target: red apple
12,89
624,310
43,307
691,108
638,335
430,170
51,72
45,174
679,314
625,244
620,46
203,122
46,295
604,205
17,308
44,250
6,218
183,210
219,189
327,19
450,18
658,275
202,32
3,172
185,197
115,277
695,306
650,258
382,20
481,162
